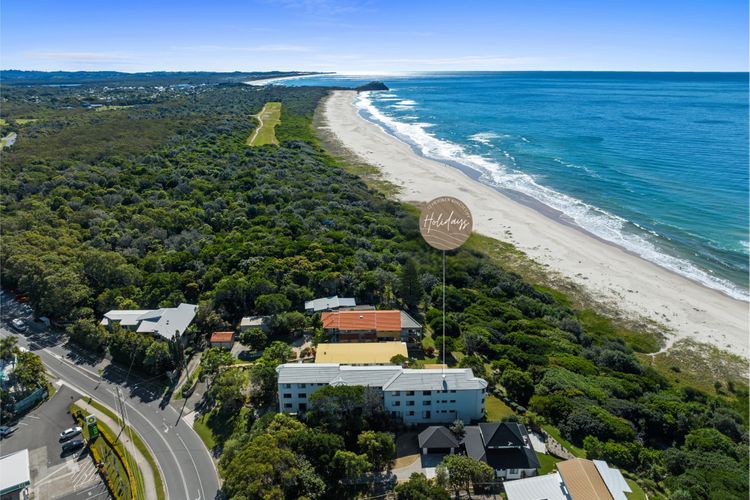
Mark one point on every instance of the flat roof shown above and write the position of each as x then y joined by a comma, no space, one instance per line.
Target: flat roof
16,474
360,353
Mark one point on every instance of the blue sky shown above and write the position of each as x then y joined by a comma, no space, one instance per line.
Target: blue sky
375,36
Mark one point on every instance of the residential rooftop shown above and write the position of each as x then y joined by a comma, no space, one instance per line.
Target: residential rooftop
166,322
360,353
329,303
390,378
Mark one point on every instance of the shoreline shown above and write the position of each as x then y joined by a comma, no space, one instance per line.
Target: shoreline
637,287
269,81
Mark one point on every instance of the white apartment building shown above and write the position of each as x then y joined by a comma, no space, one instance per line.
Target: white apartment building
416,396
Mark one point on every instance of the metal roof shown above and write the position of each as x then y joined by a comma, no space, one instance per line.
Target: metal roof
582,480
165,322
222,337
16,474
408,322
328,303
547,487
616,484
390,378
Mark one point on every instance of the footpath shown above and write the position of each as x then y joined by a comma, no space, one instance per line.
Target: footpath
149,484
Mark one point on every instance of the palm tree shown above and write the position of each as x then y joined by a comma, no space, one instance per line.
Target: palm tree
8,347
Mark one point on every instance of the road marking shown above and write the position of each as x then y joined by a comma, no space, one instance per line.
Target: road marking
194,464
97,378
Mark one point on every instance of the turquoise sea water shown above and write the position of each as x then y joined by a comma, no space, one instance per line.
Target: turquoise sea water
654,162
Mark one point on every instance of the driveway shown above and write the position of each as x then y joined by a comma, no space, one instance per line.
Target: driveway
53,475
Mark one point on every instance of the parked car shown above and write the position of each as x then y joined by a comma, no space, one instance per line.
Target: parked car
71,446
19,325
6,431
69,433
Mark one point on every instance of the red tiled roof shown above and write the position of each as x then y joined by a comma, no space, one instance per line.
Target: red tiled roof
380,321
222,337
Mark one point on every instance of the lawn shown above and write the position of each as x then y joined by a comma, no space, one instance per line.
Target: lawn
546,463
24,121
204,432
496,409
638,493
268,118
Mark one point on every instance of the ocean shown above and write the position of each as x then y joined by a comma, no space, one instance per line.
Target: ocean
656,163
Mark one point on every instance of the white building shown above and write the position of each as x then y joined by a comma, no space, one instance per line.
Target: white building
416,396
15,477
329,304
167,322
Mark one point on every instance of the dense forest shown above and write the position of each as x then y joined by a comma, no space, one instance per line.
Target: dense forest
153,199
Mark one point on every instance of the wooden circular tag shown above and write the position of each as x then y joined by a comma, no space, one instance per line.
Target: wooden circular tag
445,223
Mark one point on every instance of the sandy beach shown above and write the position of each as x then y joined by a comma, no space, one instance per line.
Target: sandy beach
612,275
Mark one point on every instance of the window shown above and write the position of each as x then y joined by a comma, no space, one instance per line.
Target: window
411,413
426,393
409,393
302,386
453,391
410,403
287,405
426,403
287,386
397,403
453,400
513,471
287,395
396,393
426,414
302,395
482,400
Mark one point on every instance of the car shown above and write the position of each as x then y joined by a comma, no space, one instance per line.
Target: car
71,446
19,325
69,433
6,431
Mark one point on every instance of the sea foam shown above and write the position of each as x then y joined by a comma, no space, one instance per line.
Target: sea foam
594,220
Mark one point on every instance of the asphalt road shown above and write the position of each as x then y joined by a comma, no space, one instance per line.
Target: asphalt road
186,466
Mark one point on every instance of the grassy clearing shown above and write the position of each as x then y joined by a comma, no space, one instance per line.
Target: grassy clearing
546,463
200,426
268,118
24,121
3,122
692,364
110,108
555,433
638,493
496,409
138,442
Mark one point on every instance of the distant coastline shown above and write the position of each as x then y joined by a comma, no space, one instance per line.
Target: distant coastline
632,284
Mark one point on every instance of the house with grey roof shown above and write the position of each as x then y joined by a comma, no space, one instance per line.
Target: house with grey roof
415,396
504,446
438,439
167,323
329,304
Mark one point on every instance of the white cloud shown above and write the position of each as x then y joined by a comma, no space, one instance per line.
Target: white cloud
77,56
